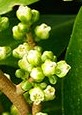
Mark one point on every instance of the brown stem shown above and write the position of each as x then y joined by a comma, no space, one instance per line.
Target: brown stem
30,40
19,90
9,89
36,109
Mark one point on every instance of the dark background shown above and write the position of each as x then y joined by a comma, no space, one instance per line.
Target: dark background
57,6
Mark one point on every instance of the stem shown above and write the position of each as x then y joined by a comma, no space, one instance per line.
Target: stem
9,89
36,108
30,40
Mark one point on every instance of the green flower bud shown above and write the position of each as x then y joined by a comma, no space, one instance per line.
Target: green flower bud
43,85
34,57
36,95
54,58
48,68
27,98
37,74
25,65
5,51
26,85
38,48
47,55
17,34
24,14
62,69
40,113
4,23
35,15
49,93
53,79
42,31
23,27
21,74
21,50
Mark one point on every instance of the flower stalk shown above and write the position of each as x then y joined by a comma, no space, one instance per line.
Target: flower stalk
9,89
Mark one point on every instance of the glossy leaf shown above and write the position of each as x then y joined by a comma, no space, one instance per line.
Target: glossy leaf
72,91
7,5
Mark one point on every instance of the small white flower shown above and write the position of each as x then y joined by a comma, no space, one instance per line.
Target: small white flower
62,68
48,68
24,64
24,14
42,31
37,74
4,52
49,93
34,57
36,95
21,50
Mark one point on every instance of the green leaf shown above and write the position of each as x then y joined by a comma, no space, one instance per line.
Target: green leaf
72,91
7,5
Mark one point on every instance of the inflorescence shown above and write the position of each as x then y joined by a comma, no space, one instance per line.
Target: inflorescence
38,69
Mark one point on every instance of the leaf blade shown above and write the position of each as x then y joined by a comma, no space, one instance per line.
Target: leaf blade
72,90
7,5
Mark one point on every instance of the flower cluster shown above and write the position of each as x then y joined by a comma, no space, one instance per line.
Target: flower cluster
36,66
38,69
27,18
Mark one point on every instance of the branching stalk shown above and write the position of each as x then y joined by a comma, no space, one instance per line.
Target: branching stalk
9,89
36,109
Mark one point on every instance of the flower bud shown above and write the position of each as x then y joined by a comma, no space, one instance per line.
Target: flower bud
47,55
24,14
25,65
40,113
48,68
21,74
62,69
37,74
38,48
36,95
23,27
27,99
26,85
35,15
43,85
49,93
34,57
42,31
17,34
4,23
21,50
53,79
5,51
55,58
